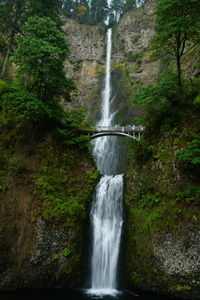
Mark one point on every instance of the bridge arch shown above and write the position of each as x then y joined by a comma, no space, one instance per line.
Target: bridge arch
115,133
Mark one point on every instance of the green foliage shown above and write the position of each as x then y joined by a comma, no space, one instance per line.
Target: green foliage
191,153
180,288
55,257
197,100
141,150
156,216
41,79
44,8
11,167
62,188
40,56
139,121
160,101
78,10
99,11
72,132
166,90
58,202
135,57
27,107
12,14
67,252
177,29
145,194
4,88
190,195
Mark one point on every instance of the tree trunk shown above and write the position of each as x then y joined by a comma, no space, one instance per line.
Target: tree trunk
9,50
178,63
5,63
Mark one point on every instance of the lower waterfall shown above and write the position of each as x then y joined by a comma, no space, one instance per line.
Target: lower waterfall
106,215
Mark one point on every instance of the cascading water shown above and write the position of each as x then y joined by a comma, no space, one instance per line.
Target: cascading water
106,212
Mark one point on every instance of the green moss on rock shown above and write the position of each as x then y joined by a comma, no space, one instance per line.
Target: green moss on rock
45,190
162,229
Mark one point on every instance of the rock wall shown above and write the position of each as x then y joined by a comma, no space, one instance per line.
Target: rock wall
162,230
45,190
85,64
131,44
132,65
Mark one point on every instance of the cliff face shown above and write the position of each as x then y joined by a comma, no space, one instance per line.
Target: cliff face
162,229
132,65
131,44
85,65
45,190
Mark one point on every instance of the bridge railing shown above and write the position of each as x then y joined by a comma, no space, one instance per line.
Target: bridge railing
117,129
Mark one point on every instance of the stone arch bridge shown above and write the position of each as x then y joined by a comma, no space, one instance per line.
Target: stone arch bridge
126,131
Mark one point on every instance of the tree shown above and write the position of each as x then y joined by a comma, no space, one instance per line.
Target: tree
14,13
41,80
45,8
129,5
115,10
11,18
177,29
98,11
77,9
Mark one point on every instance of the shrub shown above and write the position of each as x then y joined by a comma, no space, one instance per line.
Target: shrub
71,131
190,195
4,87
142,150
158,100
67,252
134,57
191,153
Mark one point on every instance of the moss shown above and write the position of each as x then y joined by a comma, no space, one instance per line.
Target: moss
135,57
161,197
43,179
67,252
55,257
180,288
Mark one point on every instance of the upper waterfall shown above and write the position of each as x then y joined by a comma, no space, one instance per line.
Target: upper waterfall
105,147
106,117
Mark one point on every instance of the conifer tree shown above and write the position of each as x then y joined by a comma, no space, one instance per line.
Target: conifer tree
99,11
40,80
45,8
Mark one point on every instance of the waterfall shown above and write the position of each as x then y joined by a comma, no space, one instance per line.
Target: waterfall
107,222
106,211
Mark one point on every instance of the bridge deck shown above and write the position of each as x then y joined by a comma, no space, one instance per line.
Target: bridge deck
126,129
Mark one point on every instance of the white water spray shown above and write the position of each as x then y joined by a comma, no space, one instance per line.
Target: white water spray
107,222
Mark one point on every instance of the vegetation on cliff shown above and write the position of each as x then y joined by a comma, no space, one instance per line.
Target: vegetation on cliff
177,29
95,12
47,174
163,188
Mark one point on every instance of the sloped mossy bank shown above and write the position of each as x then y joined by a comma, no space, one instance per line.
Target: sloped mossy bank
162,230
45,189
